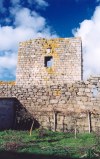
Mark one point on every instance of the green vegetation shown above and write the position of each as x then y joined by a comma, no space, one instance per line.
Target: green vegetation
52,143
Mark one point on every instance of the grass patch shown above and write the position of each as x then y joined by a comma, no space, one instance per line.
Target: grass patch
50,143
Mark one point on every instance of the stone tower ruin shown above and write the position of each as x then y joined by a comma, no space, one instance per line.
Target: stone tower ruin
49,61
49,86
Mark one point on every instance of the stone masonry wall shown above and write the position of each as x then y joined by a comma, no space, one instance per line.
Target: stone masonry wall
66,105
66,56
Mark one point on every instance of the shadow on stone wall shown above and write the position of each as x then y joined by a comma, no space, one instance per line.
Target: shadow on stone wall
13,115
23,119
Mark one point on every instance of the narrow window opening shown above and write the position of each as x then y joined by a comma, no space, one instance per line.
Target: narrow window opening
48,61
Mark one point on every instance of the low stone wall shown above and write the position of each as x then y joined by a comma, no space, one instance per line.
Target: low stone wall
61,107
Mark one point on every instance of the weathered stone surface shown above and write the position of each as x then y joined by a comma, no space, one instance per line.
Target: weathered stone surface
55,94
53,101
67,64
43,101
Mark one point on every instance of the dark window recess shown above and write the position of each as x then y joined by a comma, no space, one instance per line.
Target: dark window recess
48,61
